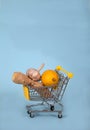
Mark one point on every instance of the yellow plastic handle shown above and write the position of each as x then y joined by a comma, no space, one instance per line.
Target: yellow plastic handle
69,74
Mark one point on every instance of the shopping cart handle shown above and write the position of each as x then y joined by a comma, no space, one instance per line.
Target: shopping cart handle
69,74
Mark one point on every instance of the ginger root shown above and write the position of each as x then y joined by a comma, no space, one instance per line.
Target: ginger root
20,78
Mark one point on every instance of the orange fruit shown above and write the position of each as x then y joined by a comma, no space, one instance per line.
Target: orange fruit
50,78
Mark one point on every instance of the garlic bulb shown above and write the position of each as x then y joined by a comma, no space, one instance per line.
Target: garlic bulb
33,74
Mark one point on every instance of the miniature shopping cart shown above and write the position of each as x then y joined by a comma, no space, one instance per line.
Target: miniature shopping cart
51,98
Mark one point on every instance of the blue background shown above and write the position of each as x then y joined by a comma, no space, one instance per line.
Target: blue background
45,31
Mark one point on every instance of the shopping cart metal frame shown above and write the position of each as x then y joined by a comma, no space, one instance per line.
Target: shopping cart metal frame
57,95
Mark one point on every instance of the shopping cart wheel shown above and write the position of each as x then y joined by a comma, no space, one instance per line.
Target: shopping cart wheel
28,112
52,108
59,115
31,114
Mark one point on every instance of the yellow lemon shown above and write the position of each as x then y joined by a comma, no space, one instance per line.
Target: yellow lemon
50,78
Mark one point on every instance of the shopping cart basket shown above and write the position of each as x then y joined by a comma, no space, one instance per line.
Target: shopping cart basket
51,97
